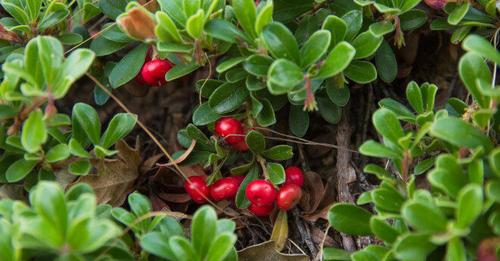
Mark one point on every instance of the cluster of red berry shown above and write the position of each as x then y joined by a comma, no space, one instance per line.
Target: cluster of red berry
153,71
262,194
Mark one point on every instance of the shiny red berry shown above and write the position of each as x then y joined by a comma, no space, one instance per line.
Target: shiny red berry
261,211
230,129
240,146
153,72
288,196
224,188
260,192
294,175
197,189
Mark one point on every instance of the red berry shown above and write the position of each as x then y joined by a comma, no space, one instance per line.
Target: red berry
261,211
224,188
294,175
241,146
239,179
153,72
260,192
288,196
230,129
197,189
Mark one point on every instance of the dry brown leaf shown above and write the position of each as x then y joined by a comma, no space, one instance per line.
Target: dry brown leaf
115,177
138,24
280,231
266,252
313,191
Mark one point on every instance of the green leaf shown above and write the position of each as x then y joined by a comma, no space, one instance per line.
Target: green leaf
278,152
120,125
182,249
112,8
328,110
195,23
228,97
57,153
139,204
337,28
469,206
386,63
480,46
383,230
203,229
375,149
19,170
412,19
246,14
285,74
298,120
166,30
423,217
330,253
413,247
128,67
80,167
256,142
361,72
224,30
455,250
49,202
337,60
350,219
157,244
387,198
229,63
88,119
381,28
353,20
221,246
471,68
314,48
276,173
460,133
34,133
266,117
257,65
387,124
264,17
204,115
458,14
366,44
280,41
180,70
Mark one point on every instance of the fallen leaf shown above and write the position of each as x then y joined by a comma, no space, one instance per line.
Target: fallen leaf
280,231
266,252
115,177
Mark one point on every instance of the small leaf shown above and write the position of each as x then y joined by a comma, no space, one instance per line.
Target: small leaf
119,126
194,24
458,14
128,67
423,217
19,170
470,205
361,72
278,152
256,141
276,173
228,97
366,44
280,42
387,124
386,63
181,70
203,226
337,28
285,74
460,133
204,115
314,48
338,59
80,167
350,219
34,133
57,153
298,120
